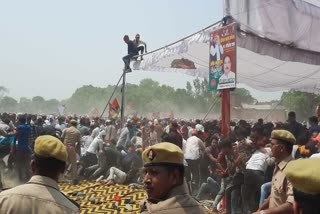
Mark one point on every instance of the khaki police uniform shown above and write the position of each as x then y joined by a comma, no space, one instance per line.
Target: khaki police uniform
70,137
282,189
41,194
177,200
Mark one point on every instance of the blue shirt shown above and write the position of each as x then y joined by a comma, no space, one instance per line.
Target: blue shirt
3,140
132,49
314,128
23,135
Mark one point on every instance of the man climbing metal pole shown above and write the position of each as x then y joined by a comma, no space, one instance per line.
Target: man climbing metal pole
132,51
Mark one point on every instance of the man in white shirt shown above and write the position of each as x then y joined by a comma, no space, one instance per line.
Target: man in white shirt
194,150
216,50
137,140
86,140
111,132
254,177
141,45
90,159
95,148
95,131
153,136
124,138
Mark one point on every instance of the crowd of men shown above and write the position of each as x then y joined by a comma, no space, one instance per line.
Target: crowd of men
250,171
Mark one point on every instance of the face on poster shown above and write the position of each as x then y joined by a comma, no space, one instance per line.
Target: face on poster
222,73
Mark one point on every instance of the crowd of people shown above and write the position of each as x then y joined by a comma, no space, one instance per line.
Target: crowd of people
250,171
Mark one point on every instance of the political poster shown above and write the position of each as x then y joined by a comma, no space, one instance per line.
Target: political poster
222,73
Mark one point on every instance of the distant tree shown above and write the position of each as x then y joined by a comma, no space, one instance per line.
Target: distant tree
51,106
25,105
197,86
38,104
8,104
38,99
243,95
303,103
189,88
149,96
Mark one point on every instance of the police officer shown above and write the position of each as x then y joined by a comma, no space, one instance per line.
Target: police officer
41,194
164,182
304,175
72,138
281,198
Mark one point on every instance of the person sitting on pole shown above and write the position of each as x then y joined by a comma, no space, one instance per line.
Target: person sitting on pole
132,51
141,45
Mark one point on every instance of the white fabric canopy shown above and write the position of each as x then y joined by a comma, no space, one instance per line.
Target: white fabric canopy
278,46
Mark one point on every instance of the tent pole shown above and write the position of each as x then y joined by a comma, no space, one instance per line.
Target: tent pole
225,112
123,98
225,101
108,103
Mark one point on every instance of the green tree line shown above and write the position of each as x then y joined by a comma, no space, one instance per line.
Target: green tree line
146,97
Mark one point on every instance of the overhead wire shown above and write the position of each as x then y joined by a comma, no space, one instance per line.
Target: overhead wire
276,106
184,38
212,106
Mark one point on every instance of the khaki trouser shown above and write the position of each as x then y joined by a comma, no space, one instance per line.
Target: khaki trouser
72,159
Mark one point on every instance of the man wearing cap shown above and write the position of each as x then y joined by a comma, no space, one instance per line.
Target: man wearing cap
41,194
305,177
164,177
281,198
71,137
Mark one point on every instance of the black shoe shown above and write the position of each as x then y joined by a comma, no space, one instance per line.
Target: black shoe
128,70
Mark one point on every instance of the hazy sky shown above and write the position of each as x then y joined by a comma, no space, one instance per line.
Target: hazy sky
50,48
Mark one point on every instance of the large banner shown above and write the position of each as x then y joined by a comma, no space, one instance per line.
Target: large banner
222,73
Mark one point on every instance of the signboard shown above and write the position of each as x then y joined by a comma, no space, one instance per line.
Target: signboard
222,52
